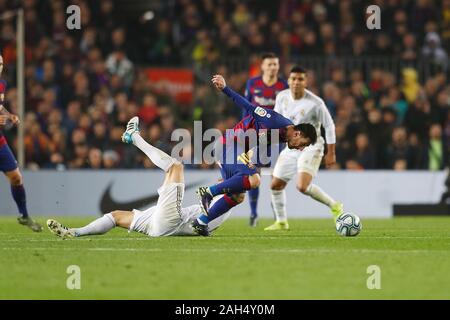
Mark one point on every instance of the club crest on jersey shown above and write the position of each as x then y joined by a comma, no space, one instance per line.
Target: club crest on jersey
261,112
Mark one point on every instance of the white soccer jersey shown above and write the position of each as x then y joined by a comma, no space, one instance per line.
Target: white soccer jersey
310,108
146,220
167,218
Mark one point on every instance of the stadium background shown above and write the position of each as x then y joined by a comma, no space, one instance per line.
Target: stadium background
387,89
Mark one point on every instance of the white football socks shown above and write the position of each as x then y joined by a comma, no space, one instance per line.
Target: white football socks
279,205
98,226
158,157
318,194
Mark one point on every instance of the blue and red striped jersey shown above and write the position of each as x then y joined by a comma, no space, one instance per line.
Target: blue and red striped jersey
260,94
259,119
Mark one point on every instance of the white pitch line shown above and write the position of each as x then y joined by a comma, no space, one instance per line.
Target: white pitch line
281,237
207,250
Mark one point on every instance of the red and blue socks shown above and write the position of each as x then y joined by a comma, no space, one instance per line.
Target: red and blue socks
220,207
233,185
253,195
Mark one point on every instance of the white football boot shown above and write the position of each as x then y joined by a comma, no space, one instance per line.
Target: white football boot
60,230
132,127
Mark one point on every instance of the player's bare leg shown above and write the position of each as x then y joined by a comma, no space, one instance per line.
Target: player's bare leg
123,219
175,174
278,205
305,186
18,192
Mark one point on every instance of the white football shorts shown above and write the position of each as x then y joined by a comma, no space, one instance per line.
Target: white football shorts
293,161
165,218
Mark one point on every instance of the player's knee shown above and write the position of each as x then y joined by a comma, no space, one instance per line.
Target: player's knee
255,181
117,216
302,187
238,198
277,185
177,165
16,179
175,168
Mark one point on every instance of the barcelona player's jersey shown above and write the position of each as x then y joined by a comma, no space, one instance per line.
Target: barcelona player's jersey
259,119
2,92
260,94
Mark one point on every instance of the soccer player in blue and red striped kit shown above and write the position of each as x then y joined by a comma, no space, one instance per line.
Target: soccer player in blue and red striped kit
262,91
236,150
8,163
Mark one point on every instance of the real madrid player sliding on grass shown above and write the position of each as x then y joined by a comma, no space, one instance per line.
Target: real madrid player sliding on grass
167,218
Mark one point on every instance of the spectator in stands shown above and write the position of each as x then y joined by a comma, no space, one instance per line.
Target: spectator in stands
110,159
399,149
364,154
118,64
149,110
433,51
95,159
436,157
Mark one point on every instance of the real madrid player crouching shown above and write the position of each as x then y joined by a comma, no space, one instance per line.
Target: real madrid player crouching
167,218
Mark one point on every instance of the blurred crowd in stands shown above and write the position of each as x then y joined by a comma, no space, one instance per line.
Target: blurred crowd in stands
82,86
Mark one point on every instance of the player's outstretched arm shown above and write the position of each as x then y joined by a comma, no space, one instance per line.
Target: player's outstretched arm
219,83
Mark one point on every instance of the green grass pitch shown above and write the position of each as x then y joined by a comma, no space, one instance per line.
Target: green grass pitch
309,262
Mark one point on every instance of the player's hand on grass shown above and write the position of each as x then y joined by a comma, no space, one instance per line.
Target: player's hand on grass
219,82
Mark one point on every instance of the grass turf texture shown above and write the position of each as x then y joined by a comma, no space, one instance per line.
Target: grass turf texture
309,262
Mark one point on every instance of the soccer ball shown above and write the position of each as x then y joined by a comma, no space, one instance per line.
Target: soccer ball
348,224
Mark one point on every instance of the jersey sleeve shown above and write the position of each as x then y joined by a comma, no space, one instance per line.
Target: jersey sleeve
248,92
327,122
270,118
248,95
239,100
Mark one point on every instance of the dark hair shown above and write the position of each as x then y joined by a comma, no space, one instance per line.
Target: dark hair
298,69
268,55
308,130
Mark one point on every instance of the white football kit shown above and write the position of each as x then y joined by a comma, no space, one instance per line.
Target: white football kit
308,109
168,218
